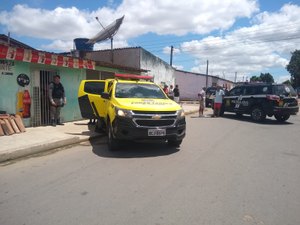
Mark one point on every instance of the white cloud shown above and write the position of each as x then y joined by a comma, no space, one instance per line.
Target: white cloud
266,44
282,79
141,17
167,50
178,67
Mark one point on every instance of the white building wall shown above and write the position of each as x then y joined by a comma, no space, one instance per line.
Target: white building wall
129,57
162,72
190,84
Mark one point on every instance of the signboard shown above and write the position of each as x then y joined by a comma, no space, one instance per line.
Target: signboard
6,67
33,56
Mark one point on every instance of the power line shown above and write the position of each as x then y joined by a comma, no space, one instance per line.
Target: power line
247,35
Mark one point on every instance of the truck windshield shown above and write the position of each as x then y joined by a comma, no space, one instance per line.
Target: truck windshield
136,90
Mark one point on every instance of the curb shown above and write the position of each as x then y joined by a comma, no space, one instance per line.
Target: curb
19,153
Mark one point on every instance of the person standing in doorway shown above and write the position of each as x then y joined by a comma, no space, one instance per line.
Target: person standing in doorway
218,101
176,93
57,100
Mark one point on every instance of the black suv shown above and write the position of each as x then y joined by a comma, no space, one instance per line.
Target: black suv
261,100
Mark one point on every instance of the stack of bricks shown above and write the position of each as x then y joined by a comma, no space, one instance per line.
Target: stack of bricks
11,124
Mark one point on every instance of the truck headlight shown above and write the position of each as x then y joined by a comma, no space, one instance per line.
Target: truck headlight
180,113
123,112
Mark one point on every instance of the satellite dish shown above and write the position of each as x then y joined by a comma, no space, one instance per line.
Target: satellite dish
107,32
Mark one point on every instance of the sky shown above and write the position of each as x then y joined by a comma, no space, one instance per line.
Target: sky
238,38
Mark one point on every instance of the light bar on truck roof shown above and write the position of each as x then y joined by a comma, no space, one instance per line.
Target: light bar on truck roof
133,76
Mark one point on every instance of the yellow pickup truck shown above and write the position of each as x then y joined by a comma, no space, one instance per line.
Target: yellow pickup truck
132,109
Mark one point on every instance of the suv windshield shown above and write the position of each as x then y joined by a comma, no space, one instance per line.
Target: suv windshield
135,90
211,90
284,90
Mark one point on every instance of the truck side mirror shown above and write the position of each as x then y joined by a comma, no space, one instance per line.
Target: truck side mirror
105,95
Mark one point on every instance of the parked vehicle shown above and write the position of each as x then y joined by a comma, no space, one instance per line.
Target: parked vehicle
260,100
209,95
132,110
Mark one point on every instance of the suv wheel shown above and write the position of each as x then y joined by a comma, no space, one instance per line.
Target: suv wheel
258,114
282,118
112,142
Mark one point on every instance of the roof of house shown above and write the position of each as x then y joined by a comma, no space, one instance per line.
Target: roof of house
4,39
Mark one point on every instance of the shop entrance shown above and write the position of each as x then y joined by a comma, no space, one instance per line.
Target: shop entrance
40,98
45,78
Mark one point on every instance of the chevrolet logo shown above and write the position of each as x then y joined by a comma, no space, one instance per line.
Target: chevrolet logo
156,117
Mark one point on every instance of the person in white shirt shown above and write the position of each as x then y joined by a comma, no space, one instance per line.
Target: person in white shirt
201,96
218,101
171,92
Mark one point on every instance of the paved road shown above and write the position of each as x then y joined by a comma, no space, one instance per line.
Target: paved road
228,171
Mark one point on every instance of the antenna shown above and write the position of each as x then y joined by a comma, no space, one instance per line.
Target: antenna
107,33
99,22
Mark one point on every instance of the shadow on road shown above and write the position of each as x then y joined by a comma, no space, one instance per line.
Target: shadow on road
132,149
247,118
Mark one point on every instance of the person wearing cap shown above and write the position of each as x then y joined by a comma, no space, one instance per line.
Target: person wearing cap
57,100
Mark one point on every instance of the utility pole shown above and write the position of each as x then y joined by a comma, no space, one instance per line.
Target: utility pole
235,77
8,39
171,57
206,74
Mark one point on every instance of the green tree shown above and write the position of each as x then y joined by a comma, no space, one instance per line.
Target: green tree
255,79
264,77
267,78
287,82
294,68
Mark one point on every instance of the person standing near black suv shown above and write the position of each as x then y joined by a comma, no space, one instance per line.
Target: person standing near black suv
57,100
176,93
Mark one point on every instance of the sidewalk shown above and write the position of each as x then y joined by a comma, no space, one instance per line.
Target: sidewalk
40,139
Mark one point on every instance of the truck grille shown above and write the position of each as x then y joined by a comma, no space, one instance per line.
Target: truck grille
154,123
154,119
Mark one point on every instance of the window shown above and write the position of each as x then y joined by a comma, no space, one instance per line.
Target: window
284,90
250,90
236,91
92,87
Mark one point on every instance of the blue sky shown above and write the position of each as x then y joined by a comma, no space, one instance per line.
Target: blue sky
243,37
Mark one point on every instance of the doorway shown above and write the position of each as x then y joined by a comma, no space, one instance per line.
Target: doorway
45,78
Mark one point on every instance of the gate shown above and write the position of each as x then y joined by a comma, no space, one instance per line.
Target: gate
41,99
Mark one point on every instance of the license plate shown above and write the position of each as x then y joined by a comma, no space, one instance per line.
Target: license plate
156,132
